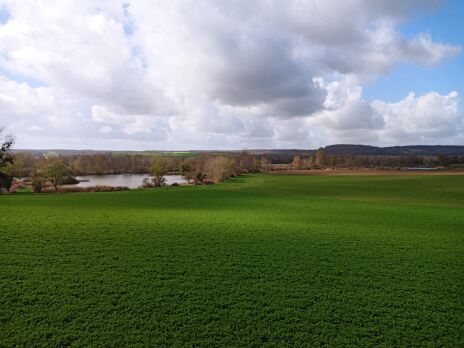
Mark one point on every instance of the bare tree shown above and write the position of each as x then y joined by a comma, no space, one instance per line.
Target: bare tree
220,168
247,163
297,162
321,158
200,177
265,164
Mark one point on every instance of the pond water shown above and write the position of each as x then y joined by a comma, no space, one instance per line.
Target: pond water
130,180
421,168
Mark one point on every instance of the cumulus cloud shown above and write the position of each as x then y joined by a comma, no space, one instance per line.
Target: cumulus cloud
345,109
423,119
38,108
428,119
190,74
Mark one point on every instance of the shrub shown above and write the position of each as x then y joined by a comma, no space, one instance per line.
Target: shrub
146,183
37,181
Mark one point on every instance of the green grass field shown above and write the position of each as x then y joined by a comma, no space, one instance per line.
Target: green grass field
261,260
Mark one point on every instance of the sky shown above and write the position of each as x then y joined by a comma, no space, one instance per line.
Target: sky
231,74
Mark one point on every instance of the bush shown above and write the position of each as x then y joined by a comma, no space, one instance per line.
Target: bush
99,188
146,183
37,181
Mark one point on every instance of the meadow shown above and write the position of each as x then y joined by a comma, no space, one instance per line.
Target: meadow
261,260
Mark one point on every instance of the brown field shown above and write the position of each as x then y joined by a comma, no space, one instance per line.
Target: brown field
370,171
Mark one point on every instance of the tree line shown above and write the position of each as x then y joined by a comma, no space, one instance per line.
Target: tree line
54,171
202,169
322,160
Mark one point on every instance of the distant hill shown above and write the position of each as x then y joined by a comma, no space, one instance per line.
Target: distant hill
285,155
420,150
58,152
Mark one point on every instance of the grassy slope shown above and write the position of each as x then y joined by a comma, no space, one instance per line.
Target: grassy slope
264,259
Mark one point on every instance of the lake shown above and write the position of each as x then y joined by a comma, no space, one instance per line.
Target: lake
130,180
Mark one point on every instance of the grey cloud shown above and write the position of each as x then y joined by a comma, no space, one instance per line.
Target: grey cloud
216,71
265,73
357,114
402,9
296,106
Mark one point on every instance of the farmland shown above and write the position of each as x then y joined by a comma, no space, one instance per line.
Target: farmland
275,260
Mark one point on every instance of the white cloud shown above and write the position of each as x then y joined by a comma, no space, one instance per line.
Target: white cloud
430,118
346,110
348,118
189,74
131,124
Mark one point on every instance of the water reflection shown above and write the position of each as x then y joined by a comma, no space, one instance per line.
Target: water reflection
130,180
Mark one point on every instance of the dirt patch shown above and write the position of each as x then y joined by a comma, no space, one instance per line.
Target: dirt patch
370,171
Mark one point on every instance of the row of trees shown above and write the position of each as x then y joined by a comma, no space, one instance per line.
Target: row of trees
89,164
322,160
201,170
108,163
11,167
41,170
204,169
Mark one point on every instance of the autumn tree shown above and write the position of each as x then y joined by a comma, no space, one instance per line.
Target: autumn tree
220,168
247,163
56,173
158,170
